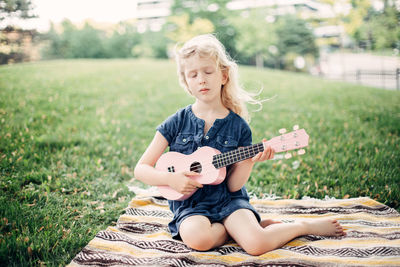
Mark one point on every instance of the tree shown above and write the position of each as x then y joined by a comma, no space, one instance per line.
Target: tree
16,8
72,42
256,38
214,11
295,39
123,39
380,29
355,19
54,48
295,36
150,44
88,43
181,29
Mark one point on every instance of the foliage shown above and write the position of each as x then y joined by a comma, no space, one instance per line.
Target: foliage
295,36
75,43
121,42
89,42
151,44
380,30
354,20
214,11
250,36
72,131
256,39
180,29
16,8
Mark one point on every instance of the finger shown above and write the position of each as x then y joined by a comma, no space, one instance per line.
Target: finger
257,157
263,155
269,154
190,173
196,184
272,154
266,154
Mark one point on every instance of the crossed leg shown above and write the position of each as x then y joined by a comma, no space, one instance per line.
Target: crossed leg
200,234
244,228
255,238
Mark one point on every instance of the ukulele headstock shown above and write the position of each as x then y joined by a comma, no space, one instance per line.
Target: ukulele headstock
295,140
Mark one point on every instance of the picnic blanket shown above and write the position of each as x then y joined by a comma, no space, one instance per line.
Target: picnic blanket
141,237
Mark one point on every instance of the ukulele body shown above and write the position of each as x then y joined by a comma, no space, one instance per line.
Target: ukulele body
200,161
211,163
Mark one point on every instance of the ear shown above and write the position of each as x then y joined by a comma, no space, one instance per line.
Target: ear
225,76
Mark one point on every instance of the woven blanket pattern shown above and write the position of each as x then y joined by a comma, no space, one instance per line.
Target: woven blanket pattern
141,237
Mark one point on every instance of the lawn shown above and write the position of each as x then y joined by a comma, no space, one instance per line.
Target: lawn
71,133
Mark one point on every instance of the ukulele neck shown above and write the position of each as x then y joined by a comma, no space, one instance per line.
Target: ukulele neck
285,142
240,154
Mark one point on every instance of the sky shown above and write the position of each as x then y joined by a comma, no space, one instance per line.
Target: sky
77,11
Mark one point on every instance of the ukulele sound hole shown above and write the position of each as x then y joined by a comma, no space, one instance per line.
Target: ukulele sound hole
195,167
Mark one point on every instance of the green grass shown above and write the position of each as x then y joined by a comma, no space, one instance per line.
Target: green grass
71,133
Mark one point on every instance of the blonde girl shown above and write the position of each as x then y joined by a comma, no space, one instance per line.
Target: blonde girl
217,118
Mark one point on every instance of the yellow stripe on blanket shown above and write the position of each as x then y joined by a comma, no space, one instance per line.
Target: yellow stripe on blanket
141,237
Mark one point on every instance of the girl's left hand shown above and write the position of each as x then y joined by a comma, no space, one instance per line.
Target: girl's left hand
267,154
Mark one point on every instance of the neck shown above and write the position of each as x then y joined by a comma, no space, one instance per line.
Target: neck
207,110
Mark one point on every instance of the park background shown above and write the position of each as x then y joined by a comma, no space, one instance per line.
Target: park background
79,102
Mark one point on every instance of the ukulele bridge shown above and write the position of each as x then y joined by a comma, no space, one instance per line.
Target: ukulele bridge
171,169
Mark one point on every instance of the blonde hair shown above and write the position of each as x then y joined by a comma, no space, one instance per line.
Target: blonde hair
233,96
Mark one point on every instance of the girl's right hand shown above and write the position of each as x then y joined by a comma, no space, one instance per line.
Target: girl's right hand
182,183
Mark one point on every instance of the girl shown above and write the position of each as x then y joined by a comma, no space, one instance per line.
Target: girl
214,213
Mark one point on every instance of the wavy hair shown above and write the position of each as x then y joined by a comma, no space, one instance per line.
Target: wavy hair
233,96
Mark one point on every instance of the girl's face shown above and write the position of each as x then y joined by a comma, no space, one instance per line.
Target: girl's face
204,78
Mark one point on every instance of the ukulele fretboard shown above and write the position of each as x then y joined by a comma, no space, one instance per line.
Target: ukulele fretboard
231,157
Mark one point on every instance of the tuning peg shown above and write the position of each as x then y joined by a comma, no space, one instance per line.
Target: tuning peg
301,152
295,127
288,156
282,131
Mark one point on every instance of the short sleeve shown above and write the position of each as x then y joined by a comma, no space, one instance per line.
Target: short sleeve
245,135
169,128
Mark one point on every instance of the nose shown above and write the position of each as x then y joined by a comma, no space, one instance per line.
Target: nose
201,78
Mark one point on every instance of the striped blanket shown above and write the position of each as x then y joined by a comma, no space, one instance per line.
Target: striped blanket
141,237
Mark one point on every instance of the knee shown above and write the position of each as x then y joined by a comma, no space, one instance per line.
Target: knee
256,246
200,242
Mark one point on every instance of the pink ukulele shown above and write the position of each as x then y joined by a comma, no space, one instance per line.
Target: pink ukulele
211,163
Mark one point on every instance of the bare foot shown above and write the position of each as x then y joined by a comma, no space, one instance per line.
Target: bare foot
324,227
265,223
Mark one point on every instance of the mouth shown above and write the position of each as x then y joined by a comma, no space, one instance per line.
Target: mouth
204,90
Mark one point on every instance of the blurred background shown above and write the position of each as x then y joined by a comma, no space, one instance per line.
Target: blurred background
352,40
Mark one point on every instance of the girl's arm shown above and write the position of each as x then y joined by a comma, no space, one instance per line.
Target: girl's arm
145,171
240,172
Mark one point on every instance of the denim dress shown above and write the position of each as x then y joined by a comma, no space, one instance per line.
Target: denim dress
185,134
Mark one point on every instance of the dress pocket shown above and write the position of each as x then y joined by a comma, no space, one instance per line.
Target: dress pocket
226,143
184,143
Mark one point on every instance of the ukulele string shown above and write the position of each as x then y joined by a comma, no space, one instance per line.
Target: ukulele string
246,152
